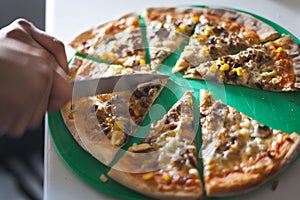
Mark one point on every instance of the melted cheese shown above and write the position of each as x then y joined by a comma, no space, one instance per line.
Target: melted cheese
172,145
233,141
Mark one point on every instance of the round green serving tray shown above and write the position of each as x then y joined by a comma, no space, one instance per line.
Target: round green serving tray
279,110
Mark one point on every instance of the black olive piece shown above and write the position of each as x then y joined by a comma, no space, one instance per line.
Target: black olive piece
211,40
94,108
218,30
72,106
236,65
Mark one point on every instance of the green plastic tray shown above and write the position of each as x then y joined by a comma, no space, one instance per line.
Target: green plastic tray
277,110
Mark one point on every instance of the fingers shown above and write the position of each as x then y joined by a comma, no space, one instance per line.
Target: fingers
61,93
33,68
26,32
53,45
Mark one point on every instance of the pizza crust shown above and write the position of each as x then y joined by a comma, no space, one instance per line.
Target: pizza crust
91,140
226,175
238,183
101,148
264,31
65,112
172,11
168,29
293,51
86,130
134,182
83,41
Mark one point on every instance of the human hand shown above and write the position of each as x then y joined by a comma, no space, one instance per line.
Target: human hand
33,78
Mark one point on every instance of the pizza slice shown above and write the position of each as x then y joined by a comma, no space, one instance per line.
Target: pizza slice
164,165
221,32
81,68
103,123
168,29
119,41
273,66
239,153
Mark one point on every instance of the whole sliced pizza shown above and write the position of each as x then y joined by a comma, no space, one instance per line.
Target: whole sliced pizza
200,147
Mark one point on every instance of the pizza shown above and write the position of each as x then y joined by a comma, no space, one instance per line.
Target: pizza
164,165
238,152
167,29
119,41
82,68
103,123
273,66
221,32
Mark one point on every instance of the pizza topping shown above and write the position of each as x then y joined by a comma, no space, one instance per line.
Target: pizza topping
140,101
144,147
208,42
119,41
233,143
148,176
264,66
167,30
175,152
103,178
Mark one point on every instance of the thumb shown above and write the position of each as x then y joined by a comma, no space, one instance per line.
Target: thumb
61,91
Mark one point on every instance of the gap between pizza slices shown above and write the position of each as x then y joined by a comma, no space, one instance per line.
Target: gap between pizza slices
222,32
239,153
164,165
273,66
167,29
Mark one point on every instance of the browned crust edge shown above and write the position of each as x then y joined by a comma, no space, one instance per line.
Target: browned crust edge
171,10
108,151
293,52
65,111
91,34
265,31
133,182
239,183
101,148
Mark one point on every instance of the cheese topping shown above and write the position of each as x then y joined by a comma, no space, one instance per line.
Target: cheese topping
263,66
233,141
214,37
121,48
172,138
165,34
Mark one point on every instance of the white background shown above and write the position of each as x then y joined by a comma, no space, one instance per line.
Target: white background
65,19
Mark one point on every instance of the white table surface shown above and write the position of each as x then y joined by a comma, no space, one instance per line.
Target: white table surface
65,19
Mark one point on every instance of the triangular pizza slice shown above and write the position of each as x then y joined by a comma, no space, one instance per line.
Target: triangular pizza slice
103,123
221,32
273,66
82,68
239,153
119,41
164,165
168,29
